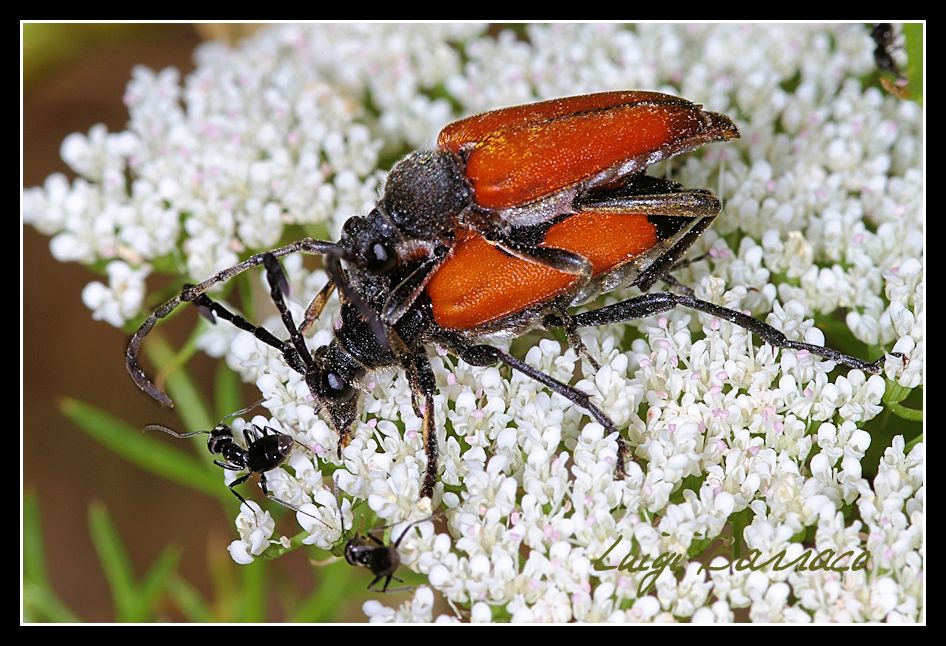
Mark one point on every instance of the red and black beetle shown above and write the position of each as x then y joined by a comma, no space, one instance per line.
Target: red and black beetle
518,215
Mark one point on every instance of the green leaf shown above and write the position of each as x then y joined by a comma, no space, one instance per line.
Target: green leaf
142,449
189,601
40,602
228,389
334,590
34,562
740,520
155,583
913,34
41,605
253,586
114,560
188,401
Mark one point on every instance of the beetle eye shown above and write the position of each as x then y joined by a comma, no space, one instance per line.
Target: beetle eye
336,389
379,257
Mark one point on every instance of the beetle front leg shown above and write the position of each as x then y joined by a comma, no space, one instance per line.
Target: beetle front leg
408,290
561,260
423,386
289,353
314,310
192,293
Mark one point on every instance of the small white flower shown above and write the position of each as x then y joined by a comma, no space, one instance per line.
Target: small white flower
255,528
121,299
823,211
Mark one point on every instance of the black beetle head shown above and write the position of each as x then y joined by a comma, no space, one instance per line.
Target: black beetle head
332,380
425,192
371,241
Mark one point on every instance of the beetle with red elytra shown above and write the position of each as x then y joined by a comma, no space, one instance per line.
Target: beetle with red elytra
517,216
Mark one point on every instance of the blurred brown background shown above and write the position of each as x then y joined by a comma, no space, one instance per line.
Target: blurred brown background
67,354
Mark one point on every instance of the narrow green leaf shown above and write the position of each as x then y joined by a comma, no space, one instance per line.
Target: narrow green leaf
189,601
740,520
330,596
913,34
34,560
40,602
42,605
180,358
143,449
187,399
253,586
155,583
223,574
228,395
114,560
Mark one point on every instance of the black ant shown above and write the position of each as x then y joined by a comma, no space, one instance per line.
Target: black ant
885,39
383,560
266,449
370,552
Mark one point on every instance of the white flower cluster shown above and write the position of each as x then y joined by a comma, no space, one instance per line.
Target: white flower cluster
823,211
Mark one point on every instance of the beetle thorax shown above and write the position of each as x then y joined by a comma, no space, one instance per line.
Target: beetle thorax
425,193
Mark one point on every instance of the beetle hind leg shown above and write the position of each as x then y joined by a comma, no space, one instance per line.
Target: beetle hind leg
657,302
567,323
485,355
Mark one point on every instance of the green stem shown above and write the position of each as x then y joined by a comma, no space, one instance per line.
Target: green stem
909,414
190,405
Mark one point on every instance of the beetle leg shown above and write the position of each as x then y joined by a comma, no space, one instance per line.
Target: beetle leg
671,281
485,355
567,323
657,302
192,292
667,261
314,310
289,353
333,267
645,195
425,385
278,288
561,260
406,292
